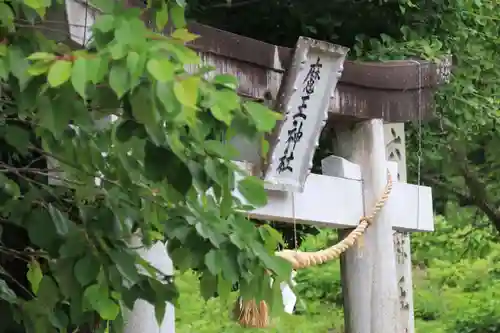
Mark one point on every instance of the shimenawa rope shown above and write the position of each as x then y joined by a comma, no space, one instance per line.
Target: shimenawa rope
251,315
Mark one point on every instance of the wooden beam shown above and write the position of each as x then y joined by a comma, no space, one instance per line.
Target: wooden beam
337,202
326,201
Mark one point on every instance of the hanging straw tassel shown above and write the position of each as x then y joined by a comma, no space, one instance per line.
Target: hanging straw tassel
249,314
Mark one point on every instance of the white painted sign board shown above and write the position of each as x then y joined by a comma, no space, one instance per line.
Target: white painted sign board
304,100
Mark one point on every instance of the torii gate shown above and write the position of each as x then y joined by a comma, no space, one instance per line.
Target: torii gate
347,189
337,199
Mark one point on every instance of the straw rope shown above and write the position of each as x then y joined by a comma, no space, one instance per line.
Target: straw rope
300,259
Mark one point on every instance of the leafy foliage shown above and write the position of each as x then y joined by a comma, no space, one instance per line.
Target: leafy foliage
111,142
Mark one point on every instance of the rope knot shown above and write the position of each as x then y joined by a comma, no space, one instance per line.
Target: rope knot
365,219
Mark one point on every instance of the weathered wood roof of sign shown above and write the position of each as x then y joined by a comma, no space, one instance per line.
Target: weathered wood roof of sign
396,91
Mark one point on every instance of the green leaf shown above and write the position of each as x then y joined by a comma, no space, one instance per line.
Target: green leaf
6,293
60,220
75,244
264,146
18,65
39,68
274,234
212,262
165,93
59,73
279,266
252,188
59,319
18,138
211,167
161,17
48,293
226,102
127,129
223,287
146,113
51,117
184,35
34,275
229,265
7,18
186,91
97,68
221,149
132,32
208,285
263,117
160,309
161,69
35,4
125,262
182,257
226,80
41,56
118,51
9,186
277,298
41,230
119,80
100,301
154,165
184,54
177,14
79,76
161,163
135,65
86,269
104,23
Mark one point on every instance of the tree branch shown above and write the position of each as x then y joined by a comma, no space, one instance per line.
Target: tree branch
477,189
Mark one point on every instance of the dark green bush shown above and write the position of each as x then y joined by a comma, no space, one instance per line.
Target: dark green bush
320,284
